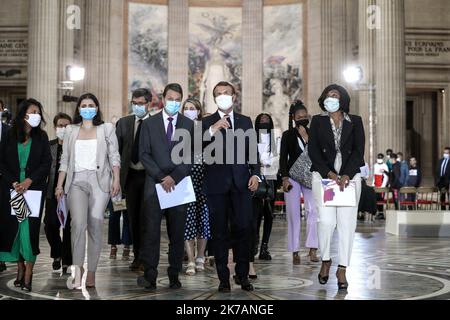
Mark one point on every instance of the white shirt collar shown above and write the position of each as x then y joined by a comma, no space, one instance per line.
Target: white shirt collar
222,114
136,118
166,116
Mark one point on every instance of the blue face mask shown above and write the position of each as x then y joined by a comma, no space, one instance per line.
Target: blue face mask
139,110
172,107
88,113
331,104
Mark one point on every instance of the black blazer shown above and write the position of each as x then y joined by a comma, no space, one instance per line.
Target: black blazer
5,129
290,150
125,137
395,176
442,181
219,178
322,150
155,151
38,169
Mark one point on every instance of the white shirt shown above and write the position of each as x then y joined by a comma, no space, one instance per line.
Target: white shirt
137,166
381,169
444,166
166,121
300,143
85,155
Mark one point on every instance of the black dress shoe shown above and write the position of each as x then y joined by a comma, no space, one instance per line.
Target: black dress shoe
224,286
134,266
2,266
253,276
246,285
147,285
174,283
56,264
237,280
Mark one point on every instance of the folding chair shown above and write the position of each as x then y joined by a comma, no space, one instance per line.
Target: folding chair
427,197
444,203
385,198
403,195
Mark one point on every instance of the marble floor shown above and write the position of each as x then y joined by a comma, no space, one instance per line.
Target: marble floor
383,267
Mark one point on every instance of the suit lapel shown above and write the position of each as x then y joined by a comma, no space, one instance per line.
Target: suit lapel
161,128
131,125
327,127
346,131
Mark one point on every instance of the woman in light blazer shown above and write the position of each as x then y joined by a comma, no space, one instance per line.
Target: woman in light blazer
90,167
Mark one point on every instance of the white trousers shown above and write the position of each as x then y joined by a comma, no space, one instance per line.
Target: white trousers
344,218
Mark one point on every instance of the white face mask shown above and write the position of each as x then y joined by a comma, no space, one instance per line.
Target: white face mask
380,161
191,114
224,102
331,104
446,156
60,132
34,119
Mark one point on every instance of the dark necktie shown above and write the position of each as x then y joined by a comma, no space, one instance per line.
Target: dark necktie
230,123
169,131
135,150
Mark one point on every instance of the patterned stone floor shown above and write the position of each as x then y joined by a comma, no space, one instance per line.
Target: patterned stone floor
383,267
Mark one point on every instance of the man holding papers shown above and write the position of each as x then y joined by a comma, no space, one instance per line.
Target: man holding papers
336,149
163,172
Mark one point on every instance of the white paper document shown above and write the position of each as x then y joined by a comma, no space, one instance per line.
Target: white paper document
332,196
183,193
33,200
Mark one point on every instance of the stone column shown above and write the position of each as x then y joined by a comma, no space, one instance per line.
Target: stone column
366,94
252,57
327,54
66,53
43,55
178,43
103,52
390,77
96,50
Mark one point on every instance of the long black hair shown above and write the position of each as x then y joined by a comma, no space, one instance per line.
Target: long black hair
271,127
296,106
344,101
18,127
77,119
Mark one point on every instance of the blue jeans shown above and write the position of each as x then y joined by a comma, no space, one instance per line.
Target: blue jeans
114,227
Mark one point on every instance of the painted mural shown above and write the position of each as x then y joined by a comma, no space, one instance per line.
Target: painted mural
147,48
215,52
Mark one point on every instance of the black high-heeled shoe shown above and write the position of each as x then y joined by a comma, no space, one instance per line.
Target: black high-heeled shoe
342,285
19,282
324,279
27,287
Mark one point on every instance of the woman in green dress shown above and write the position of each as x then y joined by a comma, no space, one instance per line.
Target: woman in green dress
25,165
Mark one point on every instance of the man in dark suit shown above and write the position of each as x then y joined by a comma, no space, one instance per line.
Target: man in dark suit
228,186
155,151
443,176
3,129
132,172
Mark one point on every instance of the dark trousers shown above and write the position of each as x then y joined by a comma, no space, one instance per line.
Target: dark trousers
444,195
134,194
114,237
261,209
232,209
150,251
59,248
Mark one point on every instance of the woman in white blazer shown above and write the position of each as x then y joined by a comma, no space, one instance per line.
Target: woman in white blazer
89,175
